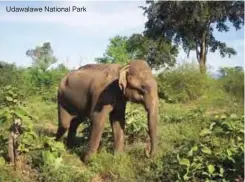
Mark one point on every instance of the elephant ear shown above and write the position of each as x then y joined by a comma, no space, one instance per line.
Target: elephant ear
123,78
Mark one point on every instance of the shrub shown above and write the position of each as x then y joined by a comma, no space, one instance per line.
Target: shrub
219,155
232,80
136,123
9,74
182,84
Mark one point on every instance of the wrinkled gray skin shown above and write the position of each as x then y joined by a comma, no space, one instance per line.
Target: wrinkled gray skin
96,90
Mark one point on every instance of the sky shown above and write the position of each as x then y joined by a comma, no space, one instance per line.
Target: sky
79,37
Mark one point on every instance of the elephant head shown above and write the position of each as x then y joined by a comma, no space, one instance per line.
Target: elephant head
139,85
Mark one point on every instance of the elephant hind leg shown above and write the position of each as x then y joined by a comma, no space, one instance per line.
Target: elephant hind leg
64,122
75,122
60,132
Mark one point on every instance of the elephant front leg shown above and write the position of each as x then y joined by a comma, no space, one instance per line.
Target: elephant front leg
98,122
117,119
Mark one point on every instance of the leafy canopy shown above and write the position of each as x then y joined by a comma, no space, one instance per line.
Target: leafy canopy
157,53
42,56
116,51
192,23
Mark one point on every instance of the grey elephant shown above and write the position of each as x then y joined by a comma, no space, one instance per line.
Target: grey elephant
96,90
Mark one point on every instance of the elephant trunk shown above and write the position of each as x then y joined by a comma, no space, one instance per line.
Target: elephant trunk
151,104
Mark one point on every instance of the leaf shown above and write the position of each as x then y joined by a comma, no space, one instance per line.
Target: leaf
221,171
211,169
186,177
178,157
241,131
48,157
58,162
190,153
231,159
206,150
10,92
8,87
179,176
2,120
205,173
195,148
184,162
205,132
9,98
216,117
212,125
233,116
223,116
229,152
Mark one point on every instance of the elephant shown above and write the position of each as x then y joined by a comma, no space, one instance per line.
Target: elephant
95,91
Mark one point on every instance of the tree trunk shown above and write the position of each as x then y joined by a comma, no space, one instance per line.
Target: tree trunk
202,64
203,54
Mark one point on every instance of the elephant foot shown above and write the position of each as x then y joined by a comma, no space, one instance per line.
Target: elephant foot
69,144
86,157
149,153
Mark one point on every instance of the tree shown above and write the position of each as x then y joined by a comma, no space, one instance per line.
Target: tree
158,53
191,24
122,49
42,56
62,68
116,51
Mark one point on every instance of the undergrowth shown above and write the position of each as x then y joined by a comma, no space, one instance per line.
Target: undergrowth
200,135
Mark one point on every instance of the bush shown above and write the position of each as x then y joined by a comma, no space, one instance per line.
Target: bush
215,155
219,155
182,84
136,123
9,74
232,81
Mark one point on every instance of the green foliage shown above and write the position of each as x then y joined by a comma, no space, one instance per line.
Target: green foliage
232,80
44,83
208,159
10,105
40,78
191,24
136,123
9,74
42,56
182,84
16,77
13,109
207,145
158,53
116,51
120,167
